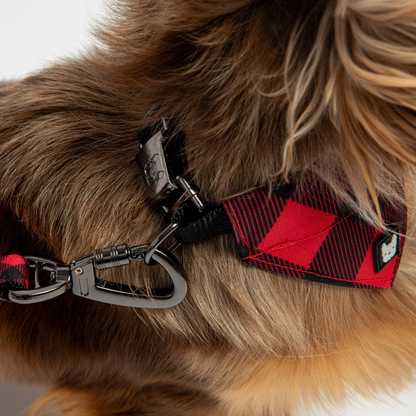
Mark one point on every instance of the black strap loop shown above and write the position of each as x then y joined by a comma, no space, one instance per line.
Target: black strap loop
196,226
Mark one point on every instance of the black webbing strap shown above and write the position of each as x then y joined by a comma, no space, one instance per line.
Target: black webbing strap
195,227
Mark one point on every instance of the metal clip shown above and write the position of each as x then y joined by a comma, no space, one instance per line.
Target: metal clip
80,276
189,193
86,284
59,279
164,185
151,159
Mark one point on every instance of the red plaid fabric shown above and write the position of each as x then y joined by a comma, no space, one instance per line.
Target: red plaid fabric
14,274
309,235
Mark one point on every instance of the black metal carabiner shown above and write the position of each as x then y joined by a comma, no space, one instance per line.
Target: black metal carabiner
86,284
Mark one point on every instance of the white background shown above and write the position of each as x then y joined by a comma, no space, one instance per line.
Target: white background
35,32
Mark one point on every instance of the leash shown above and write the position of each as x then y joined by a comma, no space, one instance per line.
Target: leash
17,286
297,229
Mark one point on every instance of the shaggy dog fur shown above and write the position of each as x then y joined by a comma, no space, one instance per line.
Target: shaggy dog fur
263,89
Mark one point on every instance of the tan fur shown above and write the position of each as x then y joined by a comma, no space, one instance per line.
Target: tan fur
262,89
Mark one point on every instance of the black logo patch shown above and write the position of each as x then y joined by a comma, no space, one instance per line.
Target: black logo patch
386,248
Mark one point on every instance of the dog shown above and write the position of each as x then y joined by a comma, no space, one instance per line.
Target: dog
263,92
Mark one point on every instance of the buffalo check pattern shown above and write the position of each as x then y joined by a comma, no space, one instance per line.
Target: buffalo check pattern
305,233
14,274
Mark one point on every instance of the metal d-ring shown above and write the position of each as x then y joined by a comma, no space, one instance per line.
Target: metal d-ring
159,240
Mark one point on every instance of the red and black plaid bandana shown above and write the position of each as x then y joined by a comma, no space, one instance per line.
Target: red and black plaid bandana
310,236
14,274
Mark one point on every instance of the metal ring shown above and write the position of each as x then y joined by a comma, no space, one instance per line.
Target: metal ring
158,241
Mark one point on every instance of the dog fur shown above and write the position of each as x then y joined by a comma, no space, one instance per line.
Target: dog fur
262,89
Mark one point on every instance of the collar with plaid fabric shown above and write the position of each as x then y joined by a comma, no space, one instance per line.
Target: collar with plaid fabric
300,231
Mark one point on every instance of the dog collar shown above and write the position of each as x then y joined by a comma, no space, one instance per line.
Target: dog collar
298,229
306,234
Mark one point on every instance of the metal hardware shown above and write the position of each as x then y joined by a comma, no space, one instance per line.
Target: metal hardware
151,159
159,240
174,246
59,279
88,286
158,175
112,257
80,276
191,193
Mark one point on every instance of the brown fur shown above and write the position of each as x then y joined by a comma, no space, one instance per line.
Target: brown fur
262,89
